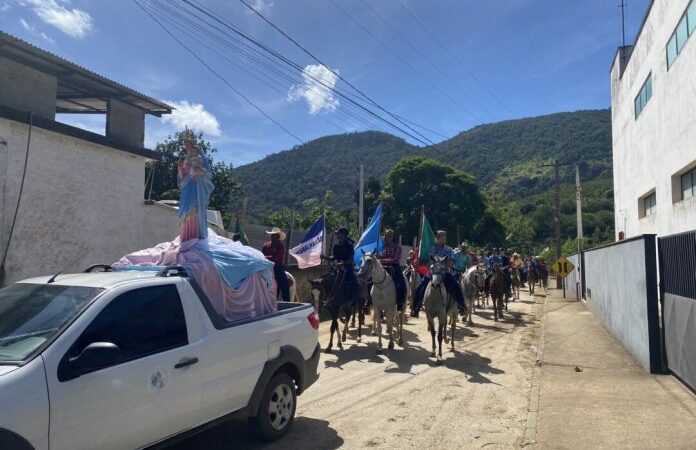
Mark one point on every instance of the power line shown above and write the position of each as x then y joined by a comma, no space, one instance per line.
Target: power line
421,139
316,59
404,61
471,74
216,74
426,58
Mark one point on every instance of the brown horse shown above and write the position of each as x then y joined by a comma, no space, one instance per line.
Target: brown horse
531,278
497,289
333,287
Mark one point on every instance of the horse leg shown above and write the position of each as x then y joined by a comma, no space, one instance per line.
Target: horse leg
390,328
431,324
344,335
401,327
378,321
441,327
495,308
454,325
375,319
334,326
361,320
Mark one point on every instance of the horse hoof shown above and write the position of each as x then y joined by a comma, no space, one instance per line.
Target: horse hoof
374,333
359,340
432,355
379,351
328,350
496,318
446,340
401,342
439,361
452,350
343,339
391,345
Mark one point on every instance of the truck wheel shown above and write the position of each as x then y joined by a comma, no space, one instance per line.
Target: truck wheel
277,408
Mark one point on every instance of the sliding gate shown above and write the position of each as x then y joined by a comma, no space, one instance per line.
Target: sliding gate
677,255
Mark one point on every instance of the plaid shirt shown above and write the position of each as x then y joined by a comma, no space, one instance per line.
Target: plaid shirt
390,254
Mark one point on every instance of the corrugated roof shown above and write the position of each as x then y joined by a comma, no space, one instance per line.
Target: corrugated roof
79,90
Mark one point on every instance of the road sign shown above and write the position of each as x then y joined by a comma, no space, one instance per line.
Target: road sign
562,267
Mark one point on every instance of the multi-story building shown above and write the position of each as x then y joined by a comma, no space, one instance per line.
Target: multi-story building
653,100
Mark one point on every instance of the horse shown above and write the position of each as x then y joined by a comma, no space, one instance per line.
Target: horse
438,303
383,295
516,283
364,303
544,276
497,287
531,278
412,279
339,301
292,288
472,282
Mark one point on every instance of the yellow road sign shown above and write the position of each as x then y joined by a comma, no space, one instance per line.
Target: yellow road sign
562,267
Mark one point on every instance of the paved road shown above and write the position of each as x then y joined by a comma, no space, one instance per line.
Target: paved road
478,398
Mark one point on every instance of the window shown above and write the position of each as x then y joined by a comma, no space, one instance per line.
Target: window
649,204
685,28
141,322
688,183
643,96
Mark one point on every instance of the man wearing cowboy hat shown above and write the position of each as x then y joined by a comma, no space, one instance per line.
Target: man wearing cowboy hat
274,251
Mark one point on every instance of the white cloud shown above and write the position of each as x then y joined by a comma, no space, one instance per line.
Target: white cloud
317,89
262,6
192,115
31,28
73,22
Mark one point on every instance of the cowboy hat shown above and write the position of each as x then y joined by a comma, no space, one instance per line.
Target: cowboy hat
278,231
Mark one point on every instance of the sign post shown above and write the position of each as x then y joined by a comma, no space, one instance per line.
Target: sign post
562,267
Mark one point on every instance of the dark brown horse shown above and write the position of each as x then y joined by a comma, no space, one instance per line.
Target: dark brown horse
497,289
339,301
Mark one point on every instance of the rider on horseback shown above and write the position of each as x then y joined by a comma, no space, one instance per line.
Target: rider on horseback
390,257
440,249
462,259
343,253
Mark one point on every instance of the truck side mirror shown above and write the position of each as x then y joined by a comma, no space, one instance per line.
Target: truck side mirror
95,356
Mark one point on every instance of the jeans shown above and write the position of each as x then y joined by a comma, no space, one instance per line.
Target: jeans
282,282
399,283
451,286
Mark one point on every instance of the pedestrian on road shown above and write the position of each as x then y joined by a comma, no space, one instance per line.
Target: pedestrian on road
274,251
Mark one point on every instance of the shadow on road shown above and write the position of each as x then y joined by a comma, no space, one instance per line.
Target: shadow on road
473,365
305,433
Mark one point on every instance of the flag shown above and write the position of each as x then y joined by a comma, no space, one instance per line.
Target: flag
308,252
239,231
369,240
426,242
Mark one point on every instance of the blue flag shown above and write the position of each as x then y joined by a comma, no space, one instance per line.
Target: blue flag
369,241
308,253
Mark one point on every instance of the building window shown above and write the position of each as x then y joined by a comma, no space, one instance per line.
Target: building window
685,28
643,96
688,184
647,205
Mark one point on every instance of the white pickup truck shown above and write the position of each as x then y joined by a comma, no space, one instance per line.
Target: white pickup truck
124,360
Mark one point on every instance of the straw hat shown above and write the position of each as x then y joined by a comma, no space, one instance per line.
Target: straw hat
278,231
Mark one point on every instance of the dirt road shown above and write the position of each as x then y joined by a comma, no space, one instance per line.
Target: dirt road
478,398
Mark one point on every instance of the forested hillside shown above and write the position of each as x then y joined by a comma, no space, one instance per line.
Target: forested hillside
507,159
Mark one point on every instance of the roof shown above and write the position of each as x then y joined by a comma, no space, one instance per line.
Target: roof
629,47
96,279
79,90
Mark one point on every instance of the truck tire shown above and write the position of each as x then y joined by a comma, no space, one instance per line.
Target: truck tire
277,408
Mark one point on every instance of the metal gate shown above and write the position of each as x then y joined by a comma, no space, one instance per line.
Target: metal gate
677,256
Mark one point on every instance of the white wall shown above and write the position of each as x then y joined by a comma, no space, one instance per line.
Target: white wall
662,141
82,203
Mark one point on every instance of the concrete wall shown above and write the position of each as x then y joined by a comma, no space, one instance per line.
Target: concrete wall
82,203
653,150
125,124
622,294
25,89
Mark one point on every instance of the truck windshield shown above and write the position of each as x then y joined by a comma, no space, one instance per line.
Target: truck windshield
31,314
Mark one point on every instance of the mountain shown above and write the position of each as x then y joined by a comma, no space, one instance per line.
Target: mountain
511,157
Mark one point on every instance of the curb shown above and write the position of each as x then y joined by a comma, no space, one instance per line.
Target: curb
533,408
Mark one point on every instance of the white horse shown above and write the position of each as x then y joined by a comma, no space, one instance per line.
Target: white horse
383,294
292,288
440,305
472,282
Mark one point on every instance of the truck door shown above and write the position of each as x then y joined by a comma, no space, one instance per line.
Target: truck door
150,393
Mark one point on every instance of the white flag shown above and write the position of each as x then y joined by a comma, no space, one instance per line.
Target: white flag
308,253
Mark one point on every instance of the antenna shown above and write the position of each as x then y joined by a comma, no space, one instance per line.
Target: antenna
623,6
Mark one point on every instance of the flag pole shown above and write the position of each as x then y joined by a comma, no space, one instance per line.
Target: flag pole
420,231
361,201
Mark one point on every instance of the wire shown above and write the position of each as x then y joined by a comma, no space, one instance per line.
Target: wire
405,62
216,74
471,74
417,136
426,58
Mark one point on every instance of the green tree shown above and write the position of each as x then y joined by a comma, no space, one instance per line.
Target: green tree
519,228
160,176
451,198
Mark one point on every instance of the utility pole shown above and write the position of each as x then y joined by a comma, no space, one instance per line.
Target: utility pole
581,243
557,214
361,204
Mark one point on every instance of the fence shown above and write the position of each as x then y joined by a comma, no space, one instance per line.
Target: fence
678,291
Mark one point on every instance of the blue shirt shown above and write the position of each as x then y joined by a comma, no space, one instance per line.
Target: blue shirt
462,261
442,251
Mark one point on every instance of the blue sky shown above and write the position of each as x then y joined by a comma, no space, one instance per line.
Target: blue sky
528,57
